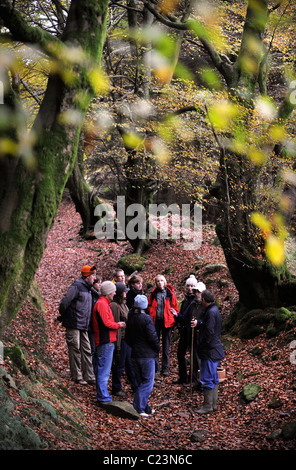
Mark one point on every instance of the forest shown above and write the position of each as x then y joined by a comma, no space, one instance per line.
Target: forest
157,136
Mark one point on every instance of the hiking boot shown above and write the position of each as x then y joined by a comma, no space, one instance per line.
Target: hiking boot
80,382
215,397
120,393
207,406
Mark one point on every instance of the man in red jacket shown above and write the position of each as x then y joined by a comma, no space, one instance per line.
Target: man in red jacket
105,332
163,305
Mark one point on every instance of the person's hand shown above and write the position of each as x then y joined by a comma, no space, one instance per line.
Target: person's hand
193,323
121,324
173,311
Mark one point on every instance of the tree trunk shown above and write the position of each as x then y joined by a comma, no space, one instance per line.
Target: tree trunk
37,194
140,192
83,197
259,283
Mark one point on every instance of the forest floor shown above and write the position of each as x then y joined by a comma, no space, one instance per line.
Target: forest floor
236,425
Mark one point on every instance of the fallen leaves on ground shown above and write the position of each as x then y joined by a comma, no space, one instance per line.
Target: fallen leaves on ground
236,425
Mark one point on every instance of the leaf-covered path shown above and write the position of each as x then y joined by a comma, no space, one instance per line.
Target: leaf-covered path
236,425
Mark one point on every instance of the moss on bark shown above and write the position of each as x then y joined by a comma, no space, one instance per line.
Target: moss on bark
38,193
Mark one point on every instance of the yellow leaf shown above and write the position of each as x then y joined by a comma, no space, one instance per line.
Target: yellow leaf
256,156
221,114
132,140
8,146
275,251
98,81
163,74
261,222
168,6
278,133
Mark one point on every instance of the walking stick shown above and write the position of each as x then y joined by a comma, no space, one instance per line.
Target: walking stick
191,357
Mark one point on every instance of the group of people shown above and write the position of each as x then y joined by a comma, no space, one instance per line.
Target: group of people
113,326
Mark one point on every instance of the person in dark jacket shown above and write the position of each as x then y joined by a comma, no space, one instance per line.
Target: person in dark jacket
135,285
122,353
75,309
210,350
163,305
190,307
141,336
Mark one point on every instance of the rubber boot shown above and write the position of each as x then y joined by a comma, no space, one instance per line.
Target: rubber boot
215,397
207,406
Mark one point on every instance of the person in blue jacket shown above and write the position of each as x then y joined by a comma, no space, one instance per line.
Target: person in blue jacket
75,310
210,350
142,337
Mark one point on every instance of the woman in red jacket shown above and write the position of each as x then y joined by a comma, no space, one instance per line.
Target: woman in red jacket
162,303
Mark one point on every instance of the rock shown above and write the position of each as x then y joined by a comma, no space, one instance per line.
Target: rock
275,403
276,434
7,378
17,356
183,415
289,430
250,392
197,436
131,263
213,268
123,409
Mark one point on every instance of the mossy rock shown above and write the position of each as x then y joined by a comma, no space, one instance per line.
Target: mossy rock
214,268
131,263
16,354
249,324
250,392
14,435
122,409
282,315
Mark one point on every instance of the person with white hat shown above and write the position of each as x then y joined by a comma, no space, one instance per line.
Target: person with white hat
105,332
190,308
210,350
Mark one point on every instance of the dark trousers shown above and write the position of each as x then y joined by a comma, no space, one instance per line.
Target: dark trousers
122,361
183,346
165,333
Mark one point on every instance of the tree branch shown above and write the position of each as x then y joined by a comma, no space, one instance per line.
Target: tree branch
20,30
223,67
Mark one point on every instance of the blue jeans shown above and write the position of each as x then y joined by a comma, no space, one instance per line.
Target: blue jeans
145,372
103,362
208,376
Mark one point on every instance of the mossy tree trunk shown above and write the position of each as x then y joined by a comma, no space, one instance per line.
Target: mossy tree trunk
259,283
31,197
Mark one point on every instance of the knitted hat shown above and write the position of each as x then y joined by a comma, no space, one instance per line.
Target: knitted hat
120,288
200,286
141,301
107,287
88,270
191,280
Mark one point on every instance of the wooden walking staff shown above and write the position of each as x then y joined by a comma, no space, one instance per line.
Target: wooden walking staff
191,357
